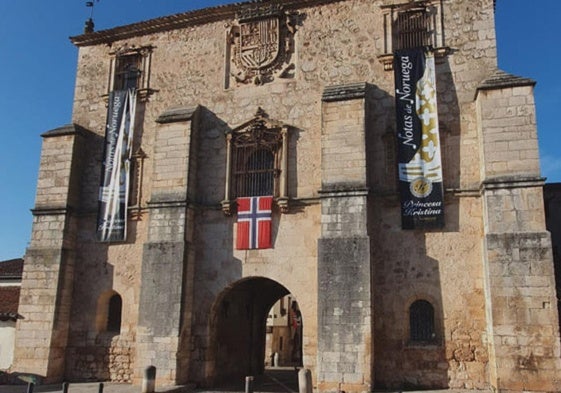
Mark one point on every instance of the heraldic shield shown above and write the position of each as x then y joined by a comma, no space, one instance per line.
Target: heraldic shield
258,46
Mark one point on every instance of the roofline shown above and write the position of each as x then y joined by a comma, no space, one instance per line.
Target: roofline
181,20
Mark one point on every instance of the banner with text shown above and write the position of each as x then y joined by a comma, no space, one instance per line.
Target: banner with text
114,188
419,163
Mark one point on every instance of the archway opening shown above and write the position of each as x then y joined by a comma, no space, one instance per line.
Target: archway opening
239,326
283,345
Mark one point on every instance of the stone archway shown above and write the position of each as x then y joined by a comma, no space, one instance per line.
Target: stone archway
238,330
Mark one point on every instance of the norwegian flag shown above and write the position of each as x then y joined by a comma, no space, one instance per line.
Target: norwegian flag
254,222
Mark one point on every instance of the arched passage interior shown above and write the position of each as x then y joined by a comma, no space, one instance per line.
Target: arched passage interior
238,329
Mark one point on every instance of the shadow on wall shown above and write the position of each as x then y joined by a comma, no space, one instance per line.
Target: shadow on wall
409,337
409,349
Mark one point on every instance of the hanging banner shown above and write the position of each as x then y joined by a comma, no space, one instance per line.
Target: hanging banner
419,163
114,188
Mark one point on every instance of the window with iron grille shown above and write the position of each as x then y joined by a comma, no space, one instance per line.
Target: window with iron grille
254,173
421,322
127,72
130,68
412,29
257,161
412,24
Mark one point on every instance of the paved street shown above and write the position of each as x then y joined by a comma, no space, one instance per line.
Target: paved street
88,388
274,381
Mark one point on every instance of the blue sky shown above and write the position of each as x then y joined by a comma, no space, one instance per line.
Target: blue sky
37,64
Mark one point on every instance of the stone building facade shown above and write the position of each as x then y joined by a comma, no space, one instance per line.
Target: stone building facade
469,305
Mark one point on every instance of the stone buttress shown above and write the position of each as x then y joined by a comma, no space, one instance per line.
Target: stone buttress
522,320
163,312
46,293
344,296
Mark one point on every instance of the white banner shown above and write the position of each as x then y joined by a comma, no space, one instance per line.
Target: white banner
115,183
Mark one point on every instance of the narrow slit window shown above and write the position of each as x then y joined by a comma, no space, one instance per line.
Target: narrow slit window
114,314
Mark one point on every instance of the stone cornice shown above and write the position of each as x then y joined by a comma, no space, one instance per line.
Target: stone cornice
502,80
167,204
341,190
344,92
182,20
504,182
68,129
177,115
51,211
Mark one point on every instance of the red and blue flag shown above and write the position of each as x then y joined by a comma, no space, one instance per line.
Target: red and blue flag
254,222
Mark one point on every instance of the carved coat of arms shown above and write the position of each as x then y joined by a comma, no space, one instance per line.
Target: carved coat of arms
260,44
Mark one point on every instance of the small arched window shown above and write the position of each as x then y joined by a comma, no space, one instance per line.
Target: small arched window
114,314
109,312
421,322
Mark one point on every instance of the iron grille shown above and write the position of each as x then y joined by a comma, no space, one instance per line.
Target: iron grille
421,321
127,72
254,172
412,29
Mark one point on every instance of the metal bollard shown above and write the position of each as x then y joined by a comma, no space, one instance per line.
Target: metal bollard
149,380
305,381
249,384
100,387
65,387
30,387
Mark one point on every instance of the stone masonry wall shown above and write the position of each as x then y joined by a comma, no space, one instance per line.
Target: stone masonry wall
509,132
109,358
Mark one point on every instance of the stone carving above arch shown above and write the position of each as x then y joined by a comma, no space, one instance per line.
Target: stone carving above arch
260,45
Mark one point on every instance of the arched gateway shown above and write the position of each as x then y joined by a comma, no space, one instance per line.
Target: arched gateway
238,328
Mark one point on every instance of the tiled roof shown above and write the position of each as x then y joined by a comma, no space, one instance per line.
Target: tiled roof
9,300
11,268
178,21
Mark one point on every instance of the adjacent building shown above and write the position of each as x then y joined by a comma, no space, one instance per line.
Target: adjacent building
10,283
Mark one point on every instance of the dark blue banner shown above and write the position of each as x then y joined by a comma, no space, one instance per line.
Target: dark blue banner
419,162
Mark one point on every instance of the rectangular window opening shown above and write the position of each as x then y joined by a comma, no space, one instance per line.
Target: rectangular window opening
412,29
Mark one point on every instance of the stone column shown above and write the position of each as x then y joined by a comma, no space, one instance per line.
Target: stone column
46,291
344,297
522,320
166,255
